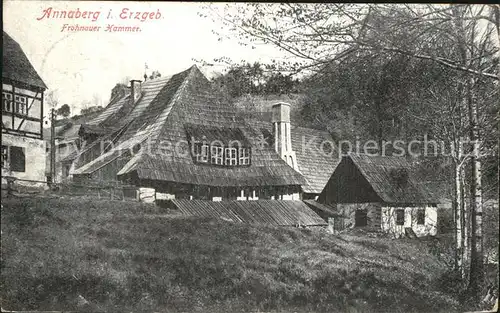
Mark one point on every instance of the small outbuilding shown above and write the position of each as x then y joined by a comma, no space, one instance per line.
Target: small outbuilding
382,193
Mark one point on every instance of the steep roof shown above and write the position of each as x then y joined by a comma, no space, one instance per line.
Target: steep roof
158,122
271,212
16,65
394,179
315,162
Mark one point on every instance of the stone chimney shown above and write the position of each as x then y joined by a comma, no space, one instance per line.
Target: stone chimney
135,90
282,133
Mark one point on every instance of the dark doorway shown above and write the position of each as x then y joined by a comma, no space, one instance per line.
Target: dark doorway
361,218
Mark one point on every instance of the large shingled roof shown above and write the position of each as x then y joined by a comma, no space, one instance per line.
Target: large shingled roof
159,120
16,65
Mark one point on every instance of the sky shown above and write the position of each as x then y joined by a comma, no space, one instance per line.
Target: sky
82,67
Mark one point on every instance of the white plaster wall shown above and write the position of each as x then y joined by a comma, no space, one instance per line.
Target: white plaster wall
293,196
247,195
388,223
34,151
164,196
147,195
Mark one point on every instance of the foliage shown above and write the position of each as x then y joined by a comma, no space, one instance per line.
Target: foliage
154,74
118,89
318,34
91,109
255,79
64,110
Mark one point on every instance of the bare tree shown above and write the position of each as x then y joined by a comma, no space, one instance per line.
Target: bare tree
460,37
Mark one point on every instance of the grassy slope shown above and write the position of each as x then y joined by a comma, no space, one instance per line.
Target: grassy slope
111,256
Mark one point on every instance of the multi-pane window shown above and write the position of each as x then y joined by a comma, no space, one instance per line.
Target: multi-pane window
231,156
244,156
216,155
400,217
421,216
21,105
7,101
5,157
201,153
13,158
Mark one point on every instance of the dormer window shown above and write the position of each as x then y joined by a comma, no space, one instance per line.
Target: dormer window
244,156
220,146
217,155
201,153
231,156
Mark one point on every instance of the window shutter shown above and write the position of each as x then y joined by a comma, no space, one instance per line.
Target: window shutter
17,159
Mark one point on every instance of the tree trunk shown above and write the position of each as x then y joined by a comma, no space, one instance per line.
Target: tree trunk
476,280
465,226
460,234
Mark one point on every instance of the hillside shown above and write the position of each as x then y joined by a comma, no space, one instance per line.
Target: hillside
114,256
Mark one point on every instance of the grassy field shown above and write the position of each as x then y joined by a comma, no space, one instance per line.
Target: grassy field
67,254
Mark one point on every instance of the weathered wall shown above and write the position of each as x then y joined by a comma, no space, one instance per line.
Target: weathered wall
63,149
148,194
108,171
34,150
348,210
428,228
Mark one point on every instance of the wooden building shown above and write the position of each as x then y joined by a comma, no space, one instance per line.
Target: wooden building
67,143
23,147
176,137
382,193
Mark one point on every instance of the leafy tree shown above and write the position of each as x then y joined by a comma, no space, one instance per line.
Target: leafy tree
255,79
155,74
241,79
91,109
277,83
118,89
64,110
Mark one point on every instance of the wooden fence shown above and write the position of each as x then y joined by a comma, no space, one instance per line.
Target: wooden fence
14,187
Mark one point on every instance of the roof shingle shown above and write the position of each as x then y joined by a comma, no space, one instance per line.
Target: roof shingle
160,118
16,65
270,212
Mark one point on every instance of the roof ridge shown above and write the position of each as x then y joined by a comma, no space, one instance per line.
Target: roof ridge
169,106
16,65
173,100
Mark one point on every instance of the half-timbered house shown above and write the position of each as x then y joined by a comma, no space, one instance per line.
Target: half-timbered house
23,147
